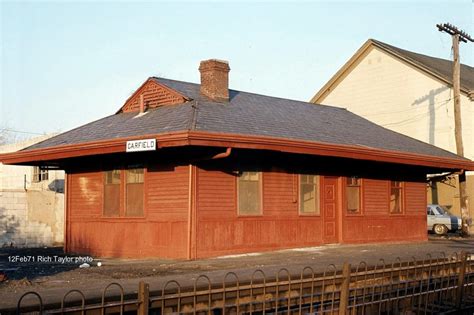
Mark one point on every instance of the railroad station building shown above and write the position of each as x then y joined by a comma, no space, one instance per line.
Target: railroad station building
186,171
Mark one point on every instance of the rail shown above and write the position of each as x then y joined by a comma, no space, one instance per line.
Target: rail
436,284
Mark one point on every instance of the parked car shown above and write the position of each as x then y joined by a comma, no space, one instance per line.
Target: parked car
441,221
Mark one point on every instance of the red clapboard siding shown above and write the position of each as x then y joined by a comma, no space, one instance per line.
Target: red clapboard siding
415,198
167,193
126,239
376,196
279,194
216,195
376,224
387,228
162,232
85,193
221,231
354,229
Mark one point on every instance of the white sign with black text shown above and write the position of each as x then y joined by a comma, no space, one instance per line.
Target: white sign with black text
141,145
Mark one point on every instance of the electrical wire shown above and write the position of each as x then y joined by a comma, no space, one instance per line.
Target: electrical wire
20,131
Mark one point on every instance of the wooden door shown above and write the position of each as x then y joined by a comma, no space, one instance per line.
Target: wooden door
329,198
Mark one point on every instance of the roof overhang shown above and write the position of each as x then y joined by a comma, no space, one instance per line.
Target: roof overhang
212,139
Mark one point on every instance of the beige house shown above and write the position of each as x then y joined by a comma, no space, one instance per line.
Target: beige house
412,94
31,202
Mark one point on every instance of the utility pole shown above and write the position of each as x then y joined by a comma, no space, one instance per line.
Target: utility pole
458,36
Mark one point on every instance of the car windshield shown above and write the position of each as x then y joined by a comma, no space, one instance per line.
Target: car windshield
442,210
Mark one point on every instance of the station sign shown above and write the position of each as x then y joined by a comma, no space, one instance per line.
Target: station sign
141,145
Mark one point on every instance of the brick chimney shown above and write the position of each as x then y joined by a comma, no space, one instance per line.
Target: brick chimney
215,79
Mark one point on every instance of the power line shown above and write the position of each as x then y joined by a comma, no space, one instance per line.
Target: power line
20,131
414,118
389,113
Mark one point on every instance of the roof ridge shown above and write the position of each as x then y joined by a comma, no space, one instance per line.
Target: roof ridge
193,120
395,48
256,94
437,67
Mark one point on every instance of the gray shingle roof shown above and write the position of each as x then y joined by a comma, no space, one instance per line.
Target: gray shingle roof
247,114
155,121
442,67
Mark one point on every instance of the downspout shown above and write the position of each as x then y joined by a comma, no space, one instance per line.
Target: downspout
222,154
217,156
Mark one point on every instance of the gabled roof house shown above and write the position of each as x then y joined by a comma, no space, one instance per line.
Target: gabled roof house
186,171
410,93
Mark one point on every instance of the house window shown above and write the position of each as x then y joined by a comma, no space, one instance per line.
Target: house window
130,182
309,194
40,174
353,195
112,193
396,197
134,192
248,192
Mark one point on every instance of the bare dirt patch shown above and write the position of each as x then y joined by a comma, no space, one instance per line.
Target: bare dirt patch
52,279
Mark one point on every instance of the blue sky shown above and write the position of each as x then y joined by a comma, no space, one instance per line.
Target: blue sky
67,63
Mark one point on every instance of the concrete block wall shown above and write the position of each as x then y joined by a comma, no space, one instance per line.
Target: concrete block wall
20,227
31,214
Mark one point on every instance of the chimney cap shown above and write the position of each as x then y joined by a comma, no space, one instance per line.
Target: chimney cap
214,63
216,60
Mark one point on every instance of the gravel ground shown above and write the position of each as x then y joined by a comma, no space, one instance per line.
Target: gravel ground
53,279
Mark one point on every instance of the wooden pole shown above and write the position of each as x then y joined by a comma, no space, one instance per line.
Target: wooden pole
457,96
346,280
457,36
458,133
464,203
143,298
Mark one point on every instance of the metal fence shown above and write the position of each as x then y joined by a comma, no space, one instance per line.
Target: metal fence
436,284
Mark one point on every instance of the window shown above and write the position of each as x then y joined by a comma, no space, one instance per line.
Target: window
134,192
248,192
396,197
353,195
112,193
309,194
130,182
39,174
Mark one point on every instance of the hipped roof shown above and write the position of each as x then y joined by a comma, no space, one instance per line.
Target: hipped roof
248,120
